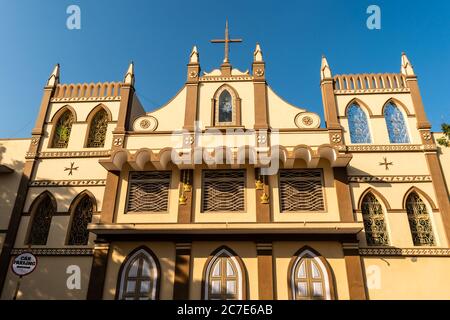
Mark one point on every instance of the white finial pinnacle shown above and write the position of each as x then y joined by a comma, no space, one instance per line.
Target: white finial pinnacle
406,68
194,57
257,54
325,71
129,76
54,77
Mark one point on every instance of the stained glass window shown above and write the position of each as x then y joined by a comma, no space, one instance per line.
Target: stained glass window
62,130
395,123
97,130
359,127
419,221
374,224
224,278
225,107
82,216
139,277
41,221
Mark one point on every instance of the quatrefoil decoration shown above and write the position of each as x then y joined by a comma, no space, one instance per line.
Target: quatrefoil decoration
426,136
336,138
259,72
118,142
262,139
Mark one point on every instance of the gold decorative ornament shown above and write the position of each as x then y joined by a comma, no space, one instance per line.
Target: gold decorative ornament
336,138
182,200
259,184
259,72
187,187
264,198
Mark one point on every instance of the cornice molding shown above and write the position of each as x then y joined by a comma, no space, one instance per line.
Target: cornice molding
404,251
384,178
68,154
55,251
60,183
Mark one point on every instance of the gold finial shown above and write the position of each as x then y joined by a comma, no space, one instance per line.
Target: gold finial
264,198
227,41
259,184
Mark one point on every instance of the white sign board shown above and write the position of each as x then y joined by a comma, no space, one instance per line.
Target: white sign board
24,264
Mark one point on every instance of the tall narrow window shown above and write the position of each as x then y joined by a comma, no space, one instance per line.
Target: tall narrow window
97,129
62,130
225,107
419,221
82,216
148,191
395,123
139,277
358,125
310,279
224,277
223,190
374,224
41,220
301,190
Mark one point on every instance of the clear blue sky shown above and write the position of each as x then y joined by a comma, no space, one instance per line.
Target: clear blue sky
158,36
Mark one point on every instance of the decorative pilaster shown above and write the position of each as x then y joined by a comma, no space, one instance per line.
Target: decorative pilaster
182,271
262,192
185,196
265,271
260,89
355,273
98,270
192,82
343,194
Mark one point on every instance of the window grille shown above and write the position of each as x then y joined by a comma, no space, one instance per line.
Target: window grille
223,190
374,224
82,216
97,130
149,191
419,221
301,190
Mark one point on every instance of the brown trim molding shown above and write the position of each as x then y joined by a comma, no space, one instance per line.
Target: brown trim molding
265,271
355,275
98,271
69,154
343,194
330,274
109,197
60,183
69,251
424,252
390,179
182,271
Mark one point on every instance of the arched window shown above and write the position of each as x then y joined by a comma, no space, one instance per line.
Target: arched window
310,278
139,276
224,277
81,217
97,129
374,224
359,127
62,130
42,213
225,107
395,123
419,221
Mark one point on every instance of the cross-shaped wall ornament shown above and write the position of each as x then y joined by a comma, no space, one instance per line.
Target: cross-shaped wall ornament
71,168
386,164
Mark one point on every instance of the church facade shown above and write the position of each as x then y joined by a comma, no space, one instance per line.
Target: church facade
228,191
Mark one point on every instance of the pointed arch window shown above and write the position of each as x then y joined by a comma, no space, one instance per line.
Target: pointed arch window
374,223
419,221
224,277
97,129
139,278
358,125
226,107
43,212
310,279
62,130
81,217
396,124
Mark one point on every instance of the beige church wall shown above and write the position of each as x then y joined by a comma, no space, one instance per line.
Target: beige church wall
171,216
420,278
403,163
54,169
57,235
200,252
308,137
171,115
331,212
64,196
49,280
12,154
397,221
249,215
155,142
377,124
283,252
164,251
281,113
245,91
